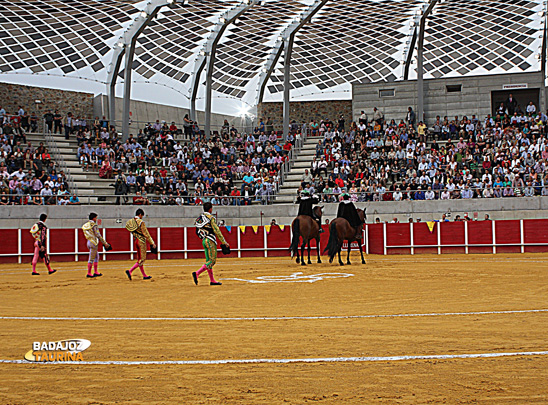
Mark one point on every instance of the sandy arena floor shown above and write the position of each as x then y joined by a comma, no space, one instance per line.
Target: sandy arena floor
448,291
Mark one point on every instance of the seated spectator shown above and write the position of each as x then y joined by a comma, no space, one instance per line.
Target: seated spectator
74,200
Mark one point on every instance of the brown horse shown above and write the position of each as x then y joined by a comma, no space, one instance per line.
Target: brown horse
307,228
339,231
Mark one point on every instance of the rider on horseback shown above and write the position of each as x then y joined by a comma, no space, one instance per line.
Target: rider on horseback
347,210
306,204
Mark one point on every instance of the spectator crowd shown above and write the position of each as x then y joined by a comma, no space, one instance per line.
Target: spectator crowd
372,159
499,156
156,166
28,174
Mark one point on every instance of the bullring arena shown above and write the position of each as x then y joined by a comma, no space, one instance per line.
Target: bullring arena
400,329
164,163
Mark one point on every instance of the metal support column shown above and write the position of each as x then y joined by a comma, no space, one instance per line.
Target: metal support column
207,60
194,87
288,49
126,46
127,91
420,80
112,79
130,53
276,52
409,57
542,102
209,91
420,61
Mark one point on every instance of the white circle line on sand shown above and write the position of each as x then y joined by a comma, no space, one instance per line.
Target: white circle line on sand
270,318
285,361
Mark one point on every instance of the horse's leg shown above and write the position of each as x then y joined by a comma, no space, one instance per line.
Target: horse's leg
348,254
298,259
361,252
339,251
309,261
318,248
302,252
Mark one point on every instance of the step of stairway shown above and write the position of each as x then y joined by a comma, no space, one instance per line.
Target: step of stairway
294,176
284,199
94,185
59,142
294,184
305,164
72,164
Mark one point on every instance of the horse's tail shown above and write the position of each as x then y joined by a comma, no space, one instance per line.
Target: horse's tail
295,239
333,244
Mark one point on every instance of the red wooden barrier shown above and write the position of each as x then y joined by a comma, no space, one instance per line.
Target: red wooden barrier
252,242
230,236
121,242
278,241
194,244
399,235
452,233
507,232
175,243
10,245
172,239
480,233
60,242
375,238
423,237
536,231
27,246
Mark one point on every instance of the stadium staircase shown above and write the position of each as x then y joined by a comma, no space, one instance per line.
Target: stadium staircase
288,191
88,184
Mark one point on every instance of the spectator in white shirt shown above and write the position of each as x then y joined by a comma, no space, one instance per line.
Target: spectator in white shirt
531,109
429,195
467,193
423,165
19,174
488,192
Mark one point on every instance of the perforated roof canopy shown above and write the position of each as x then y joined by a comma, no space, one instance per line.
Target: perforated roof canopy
347,41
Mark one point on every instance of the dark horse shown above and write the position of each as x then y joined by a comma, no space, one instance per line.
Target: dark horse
339,231
307,228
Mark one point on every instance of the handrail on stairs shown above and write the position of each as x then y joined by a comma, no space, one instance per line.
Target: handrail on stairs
60,161
292,156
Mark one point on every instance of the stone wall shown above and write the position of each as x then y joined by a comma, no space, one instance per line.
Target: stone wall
306,111
475,96
14,95
143,112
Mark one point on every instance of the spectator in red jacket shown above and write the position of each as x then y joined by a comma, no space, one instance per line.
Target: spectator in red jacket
235,194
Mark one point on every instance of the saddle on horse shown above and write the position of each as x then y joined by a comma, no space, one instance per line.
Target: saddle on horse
348,211
306,207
